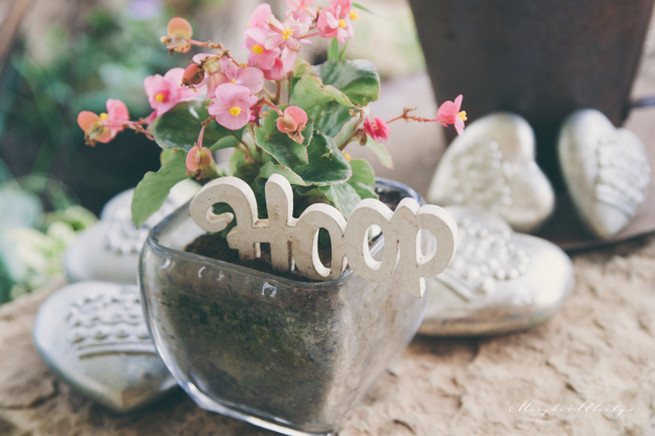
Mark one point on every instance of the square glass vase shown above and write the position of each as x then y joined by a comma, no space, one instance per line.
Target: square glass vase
291,356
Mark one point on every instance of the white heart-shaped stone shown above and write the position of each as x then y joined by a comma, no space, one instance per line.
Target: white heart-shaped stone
109,250
93,335
498,281
492,166
607,171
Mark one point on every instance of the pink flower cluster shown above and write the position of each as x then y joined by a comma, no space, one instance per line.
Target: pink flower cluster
236,92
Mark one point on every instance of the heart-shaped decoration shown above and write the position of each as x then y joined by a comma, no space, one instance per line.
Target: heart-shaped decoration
607,171
109,250
492,166
498,281
93,335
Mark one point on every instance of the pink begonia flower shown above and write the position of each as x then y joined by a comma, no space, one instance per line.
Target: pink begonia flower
302,11
165,92
232,106
256,34
104,127
260,16
335,20
377,129
289,36
449,113
250,77
259,56
293,122
223,70
198,159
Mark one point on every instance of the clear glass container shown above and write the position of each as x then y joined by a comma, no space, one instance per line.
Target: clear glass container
287,355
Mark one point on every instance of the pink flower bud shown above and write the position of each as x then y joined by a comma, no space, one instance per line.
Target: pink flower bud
179,31
293,122
193,75
198,159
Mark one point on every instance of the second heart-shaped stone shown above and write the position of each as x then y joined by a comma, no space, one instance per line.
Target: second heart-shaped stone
492,166
607,171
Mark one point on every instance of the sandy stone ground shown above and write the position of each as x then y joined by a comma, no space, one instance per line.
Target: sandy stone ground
590,370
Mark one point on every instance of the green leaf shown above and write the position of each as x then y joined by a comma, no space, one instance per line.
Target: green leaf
179,127
381,152
345,196
271,168
310,91
342,196
326,165
303,68
286,151
363,179
227,142
239,167
355,78
151,192
329,118
347,131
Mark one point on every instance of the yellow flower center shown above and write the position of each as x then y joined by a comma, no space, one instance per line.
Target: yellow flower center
159,98
257,49
103,116
233,81
286,33
462,115
234,111
353,15
343,24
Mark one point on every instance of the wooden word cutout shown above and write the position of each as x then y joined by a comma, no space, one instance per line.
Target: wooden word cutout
295,241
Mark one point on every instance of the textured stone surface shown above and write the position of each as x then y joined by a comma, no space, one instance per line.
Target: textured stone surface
596,354
606,170
492,166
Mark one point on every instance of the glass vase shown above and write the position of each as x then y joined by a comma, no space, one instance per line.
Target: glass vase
291,356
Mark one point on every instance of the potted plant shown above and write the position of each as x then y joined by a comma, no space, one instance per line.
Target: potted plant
293,342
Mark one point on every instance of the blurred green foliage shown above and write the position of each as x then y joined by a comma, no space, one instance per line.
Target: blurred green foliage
32,241
43,90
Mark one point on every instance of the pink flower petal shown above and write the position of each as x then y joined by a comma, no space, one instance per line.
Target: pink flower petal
117,112
86,120
179,28
232,107
251,78
260,15
276,72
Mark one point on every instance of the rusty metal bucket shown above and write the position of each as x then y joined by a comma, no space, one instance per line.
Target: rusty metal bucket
539,58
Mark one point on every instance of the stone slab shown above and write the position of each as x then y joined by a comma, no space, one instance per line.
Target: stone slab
597,353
